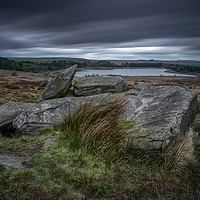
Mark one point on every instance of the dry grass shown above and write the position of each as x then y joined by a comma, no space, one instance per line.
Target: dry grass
179,153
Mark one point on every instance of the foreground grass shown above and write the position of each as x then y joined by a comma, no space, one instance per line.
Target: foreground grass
63,173
75,168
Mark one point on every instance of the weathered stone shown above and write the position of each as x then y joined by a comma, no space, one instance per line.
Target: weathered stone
59,85
9,111
50,112
165,112
11,162
48,143
160,113
86,86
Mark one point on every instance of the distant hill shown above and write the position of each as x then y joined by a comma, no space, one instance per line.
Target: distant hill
38,65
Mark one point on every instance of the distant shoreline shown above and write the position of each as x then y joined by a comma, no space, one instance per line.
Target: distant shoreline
112,68
140,71
193,74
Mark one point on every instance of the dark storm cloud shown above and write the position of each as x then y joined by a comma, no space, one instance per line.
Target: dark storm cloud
98,26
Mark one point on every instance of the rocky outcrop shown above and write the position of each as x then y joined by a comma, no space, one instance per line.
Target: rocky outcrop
9,111
50,112
161,113
86,86
44,114
59,85
165,113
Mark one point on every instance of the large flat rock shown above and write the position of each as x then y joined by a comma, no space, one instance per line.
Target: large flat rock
165,113
86,86
59,85
161,113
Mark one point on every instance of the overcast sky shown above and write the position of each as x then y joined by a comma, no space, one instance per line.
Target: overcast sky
101,29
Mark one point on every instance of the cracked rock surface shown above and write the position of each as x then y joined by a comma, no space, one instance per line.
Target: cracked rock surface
161,113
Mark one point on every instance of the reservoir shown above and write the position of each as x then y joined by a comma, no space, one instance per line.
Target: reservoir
130,72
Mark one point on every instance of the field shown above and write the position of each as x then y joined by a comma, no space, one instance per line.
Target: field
23,87
75,170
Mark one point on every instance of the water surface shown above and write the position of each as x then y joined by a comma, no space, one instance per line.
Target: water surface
130,72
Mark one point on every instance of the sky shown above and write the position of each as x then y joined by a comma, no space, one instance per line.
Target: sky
101,29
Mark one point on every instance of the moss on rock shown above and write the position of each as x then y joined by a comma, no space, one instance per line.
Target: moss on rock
125,124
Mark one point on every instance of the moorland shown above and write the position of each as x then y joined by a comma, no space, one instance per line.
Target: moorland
69,171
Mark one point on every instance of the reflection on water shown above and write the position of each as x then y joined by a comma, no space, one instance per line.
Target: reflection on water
130,72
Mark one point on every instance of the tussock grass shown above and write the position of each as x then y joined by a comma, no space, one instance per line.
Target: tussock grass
196,124
175,156
177,153
94,127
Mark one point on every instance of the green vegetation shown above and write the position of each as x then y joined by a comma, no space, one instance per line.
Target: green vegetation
30,66
143,65
14,74
184,68
90,161
196,124
125,124
9,64
191,64
51,64
191,68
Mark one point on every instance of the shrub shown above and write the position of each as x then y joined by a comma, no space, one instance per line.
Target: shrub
14,74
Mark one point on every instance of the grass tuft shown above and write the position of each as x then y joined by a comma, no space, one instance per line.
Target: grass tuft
94,127
196,124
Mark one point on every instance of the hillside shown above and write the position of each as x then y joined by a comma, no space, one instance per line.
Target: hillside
38,65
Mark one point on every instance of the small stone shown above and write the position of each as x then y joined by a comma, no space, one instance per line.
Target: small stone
11,162
48,143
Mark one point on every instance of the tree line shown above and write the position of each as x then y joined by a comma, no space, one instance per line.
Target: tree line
185,68
29,66
182,68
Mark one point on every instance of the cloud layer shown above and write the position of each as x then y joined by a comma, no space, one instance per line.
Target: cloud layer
106,29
